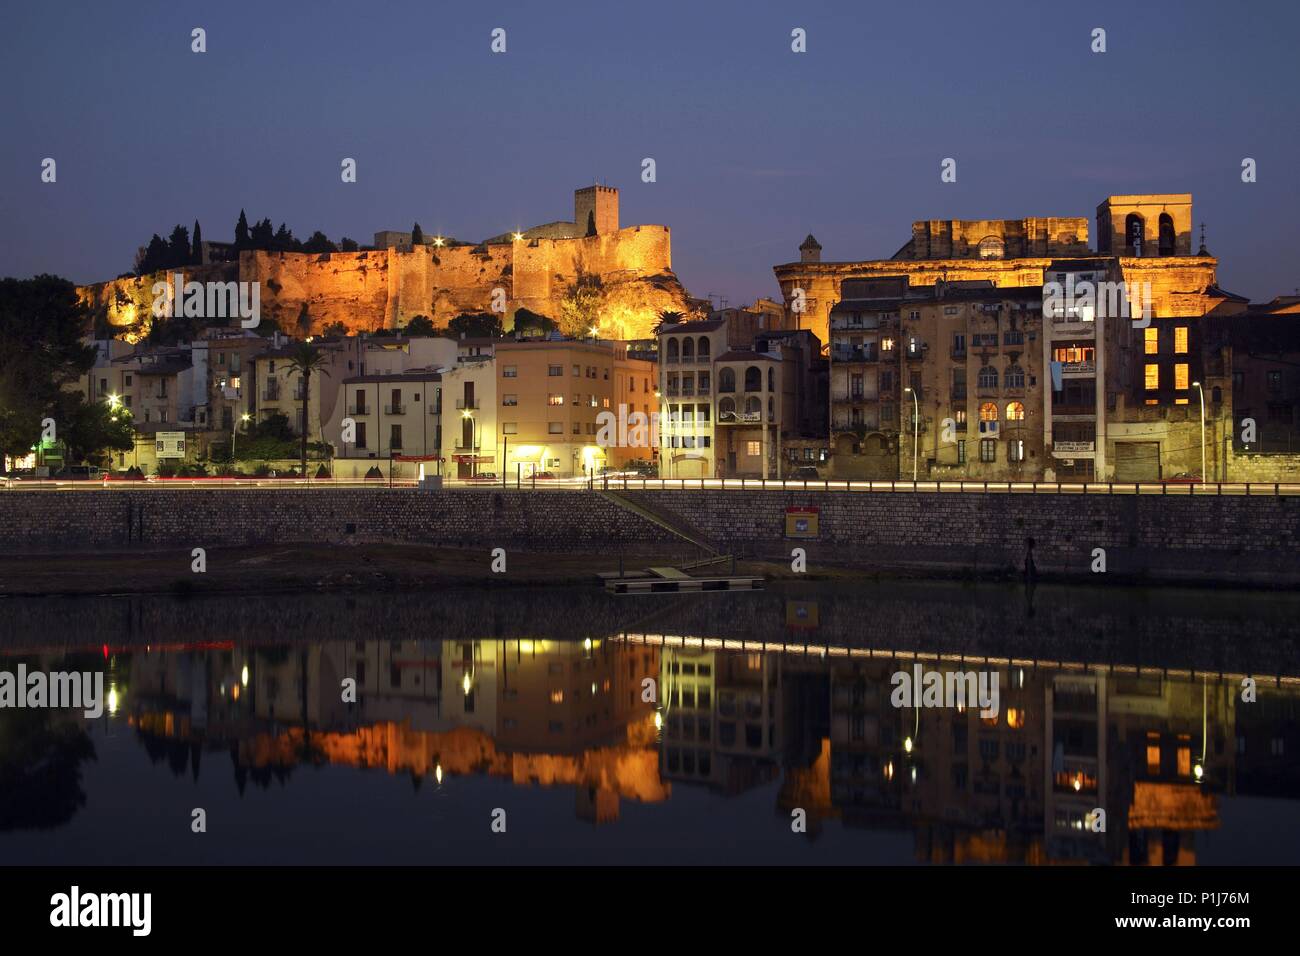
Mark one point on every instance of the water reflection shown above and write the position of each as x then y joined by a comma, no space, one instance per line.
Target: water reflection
650,718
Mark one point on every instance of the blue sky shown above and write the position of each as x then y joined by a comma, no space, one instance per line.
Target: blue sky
755,146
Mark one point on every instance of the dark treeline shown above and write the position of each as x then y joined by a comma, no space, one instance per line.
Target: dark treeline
179,249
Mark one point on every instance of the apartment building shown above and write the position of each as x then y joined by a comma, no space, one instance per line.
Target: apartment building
738,399
551,396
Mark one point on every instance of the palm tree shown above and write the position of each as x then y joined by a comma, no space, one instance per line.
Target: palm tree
667,317
307,359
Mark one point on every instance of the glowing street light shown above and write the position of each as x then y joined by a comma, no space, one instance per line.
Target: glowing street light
245,418
114,401
916,427
1197,386
439,241
518,237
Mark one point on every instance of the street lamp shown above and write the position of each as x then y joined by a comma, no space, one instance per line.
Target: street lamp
1197,386
473,441
916,428
242,418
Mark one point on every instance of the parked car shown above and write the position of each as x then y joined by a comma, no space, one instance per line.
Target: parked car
485,476
805,473
544,474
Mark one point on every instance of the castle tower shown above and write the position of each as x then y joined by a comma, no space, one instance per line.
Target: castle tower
595,210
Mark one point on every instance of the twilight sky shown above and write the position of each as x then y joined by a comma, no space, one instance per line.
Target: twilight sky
755,146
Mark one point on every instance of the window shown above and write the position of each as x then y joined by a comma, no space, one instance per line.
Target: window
959,416
988,449
554,371
510,428
1180,340
1015,377
510,400
1013,337
1016,450
959,343
1152,375
577,371
361,435
553,399
1152,340
989,412
510,371
961,451
555,428
1182,379
395,437
726,380
950,310
988,377
1015,411
1273,382
753,449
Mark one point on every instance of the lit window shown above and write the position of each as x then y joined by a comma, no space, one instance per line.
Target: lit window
1153,759
1184,761
553,399
1180,340
1016,450
1152,340
989,412
752,449
1181,379
1015,411
1152,376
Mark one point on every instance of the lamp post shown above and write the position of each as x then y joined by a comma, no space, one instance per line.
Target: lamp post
916,428
1202,391
473,442
233,426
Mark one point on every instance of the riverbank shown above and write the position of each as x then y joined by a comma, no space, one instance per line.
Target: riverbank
391,567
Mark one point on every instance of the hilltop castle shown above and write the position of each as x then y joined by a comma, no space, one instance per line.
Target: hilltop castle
388,285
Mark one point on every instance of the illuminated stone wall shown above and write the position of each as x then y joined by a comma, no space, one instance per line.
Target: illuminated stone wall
386,288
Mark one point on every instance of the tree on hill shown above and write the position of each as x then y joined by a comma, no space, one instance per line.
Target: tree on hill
533,324
178,247
318,243
420,326
242,238
196,254
417,236
581,305
475,325
347,245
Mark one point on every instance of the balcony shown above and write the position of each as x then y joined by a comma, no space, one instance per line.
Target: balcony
848,354
268,395
957,393
1089,409
394,409
1078,368
1073,447
358,410
703,390
467,403
462,445
958,354
435,409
